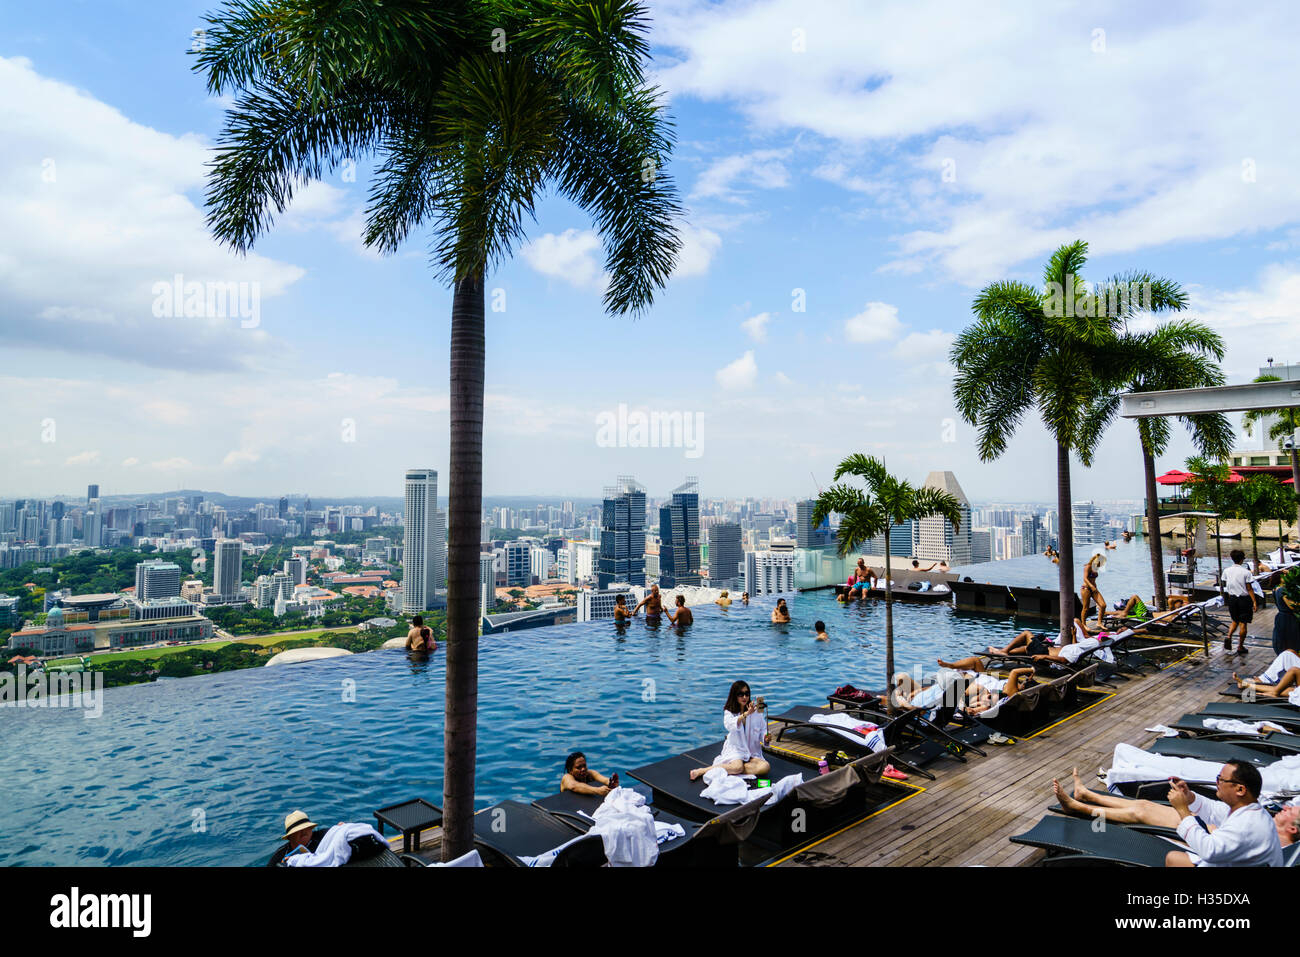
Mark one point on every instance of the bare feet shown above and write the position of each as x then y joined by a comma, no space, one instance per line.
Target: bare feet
946,664
1068,803
995,651
1079,788
1240,684
697,773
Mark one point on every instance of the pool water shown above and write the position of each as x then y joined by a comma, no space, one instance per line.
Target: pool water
202,771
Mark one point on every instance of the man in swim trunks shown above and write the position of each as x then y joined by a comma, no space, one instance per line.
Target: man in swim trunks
684,615
653,604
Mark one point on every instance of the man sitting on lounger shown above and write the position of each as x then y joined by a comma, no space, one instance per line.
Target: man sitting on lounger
982,692
302,835
580,779
1244,835
1135,607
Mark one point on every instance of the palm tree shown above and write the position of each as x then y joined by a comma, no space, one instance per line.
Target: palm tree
886,502
1288,421
1053,351
1182,354
1258,499
471,110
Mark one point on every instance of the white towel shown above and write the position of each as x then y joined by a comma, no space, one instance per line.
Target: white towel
846,727
666,832
627,828
1163,730
465,860
548,858
724,788
333,849
1242,727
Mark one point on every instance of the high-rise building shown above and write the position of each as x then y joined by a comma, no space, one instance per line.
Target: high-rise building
228,570
487,581
726,557
92,533
518,564
1030,531
935,538
92,493
420,558
679,538
157,579
1089,525
900,541
769,572
284,507
981,545
622,535
296,569
805,535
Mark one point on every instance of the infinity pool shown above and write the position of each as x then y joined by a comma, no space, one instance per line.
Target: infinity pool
203,770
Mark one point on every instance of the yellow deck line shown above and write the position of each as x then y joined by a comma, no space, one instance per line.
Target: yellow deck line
916,789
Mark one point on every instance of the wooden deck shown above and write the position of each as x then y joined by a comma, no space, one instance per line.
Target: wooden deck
965,816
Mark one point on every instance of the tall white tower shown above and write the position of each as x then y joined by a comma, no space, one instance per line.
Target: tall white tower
421,551
228,572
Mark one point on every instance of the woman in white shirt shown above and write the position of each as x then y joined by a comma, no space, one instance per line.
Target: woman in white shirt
742,752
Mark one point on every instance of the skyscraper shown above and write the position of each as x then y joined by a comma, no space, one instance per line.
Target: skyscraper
805,535
725,555
1030,533
92,493
679,538
1089,526
228,570
420,556
622,534
935,537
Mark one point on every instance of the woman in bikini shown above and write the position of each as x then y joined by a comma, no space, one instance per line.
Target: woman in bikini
1090,591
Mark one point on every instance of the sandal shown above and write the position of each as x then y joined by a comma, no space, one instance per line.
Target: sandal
893,772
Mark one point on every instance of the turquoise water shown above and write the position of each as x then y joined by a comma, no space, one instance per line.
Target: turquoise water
203,770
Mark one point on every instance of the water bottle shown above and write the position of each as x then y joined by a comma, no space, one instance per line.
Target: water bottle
823,767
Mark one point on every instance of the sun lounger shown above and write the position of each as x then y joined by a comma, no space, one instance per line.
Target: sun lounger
1072,841
711,844
910,754
825,801
1276,709
1220,751
1194,724
509,831
1232,691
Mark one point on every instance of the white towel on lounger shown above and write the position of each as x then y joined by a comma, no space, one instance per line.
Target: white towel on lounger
1242,727
848,727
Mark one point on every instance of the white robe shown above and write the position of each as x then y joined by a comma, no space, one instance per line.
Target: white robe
1246,837
744,739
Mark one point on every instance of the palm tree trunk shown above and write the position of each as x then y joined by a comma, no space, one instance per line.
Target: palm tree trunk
1153,528
1065,570
889,630
1295,487
464,514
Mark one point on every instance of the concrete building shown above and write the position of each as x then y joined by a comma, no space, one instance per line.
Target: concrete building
1089,525
726,557
935,538
769,572
422,559
228,570
622,535
598,604
157,579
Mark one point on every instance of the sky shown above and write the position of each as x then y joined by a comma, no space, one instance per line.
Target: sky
851,175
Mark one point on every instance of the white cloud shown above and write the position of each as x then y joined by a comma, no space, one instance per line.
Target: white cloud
239,457
918,346
172,464
94,210
783,379
965,124
733,177
699,245
84,458
878,322
740,374
570,256
756,326
1256,322
129,462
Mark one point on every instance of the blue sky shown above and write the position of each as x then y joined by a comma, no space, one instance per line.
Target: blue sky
888,161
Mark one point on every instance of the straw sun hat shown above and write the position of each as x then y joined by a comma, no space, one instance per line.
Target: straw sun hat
296,822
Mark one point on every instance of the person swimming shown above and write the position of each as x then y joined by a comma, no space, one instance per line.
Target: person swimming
781,613
621,614
653,604
820,629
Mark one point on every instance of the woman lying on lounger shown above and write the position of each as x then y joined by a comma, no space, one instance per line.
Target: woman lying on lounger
742,752
983,693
